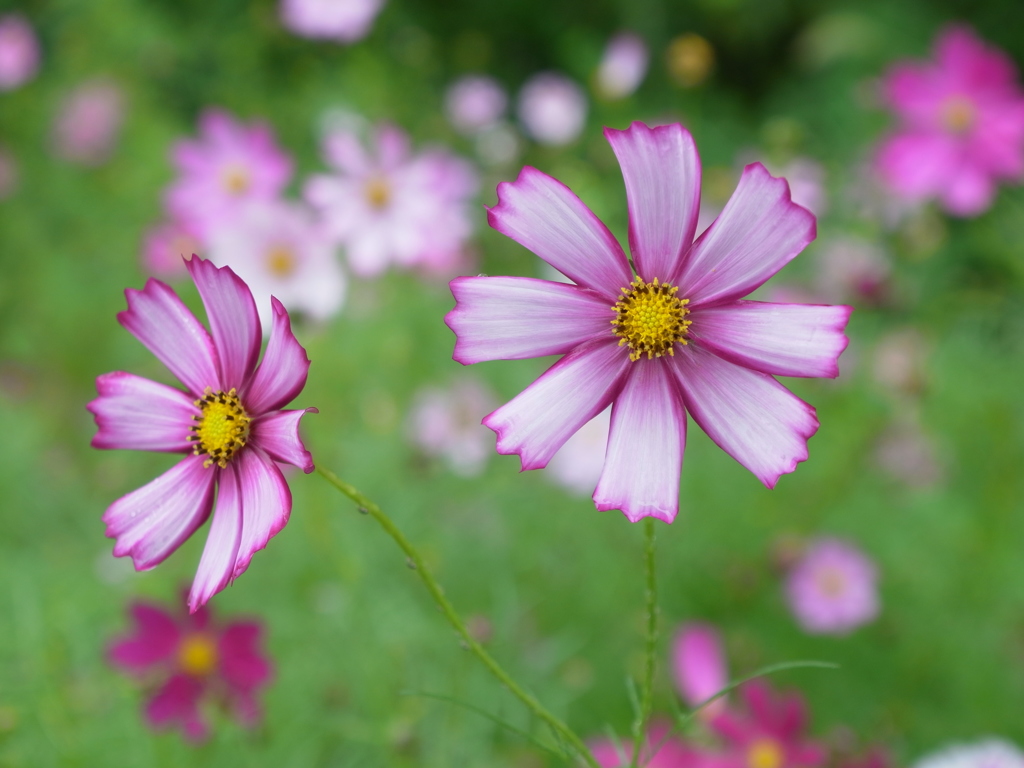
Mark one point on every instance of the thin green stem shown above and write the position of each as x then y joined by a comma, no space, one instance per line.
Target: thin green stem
652,640
417,564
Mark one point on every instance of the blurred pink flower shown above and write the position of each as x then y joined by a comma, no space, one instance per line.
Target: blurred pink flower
8,174
227,167
19,51
344,21
89,122
446,423
833,589
165,248
475,103
577,465
280,250
660,750
388,206
552,108
806,179
699,664
987,753
852,269
228,422
191,659
623,66
961,124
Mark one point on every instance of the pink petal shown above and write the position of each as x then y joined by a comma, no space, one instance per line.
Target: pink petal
177,702
662,172
216,565
543,214
758,232
242,665
152,521
234,322
139,414
266,504
918,164
969,192
277,433
282,374
752,417
780,339
645,446
699,665
155,639
159,319
538,421
512,318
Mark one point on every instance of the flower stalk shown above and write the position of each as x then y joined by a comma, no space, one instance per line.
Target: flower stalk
651,595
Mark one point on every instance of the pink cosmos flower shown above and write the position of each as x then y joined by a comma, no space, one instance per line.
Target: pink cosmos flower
475,103
833,589
672,339
961,124
388,206
190,659
552,109
165,248
229,166
19,51
700,667
623,66
89,121
577,465
228,422
446,423
344,21
660,750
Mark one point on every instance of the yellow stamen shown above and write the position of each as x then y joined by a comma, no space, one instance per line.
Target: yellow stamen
378,192
765,753
281,261
222,429
197,655
958,114
235,179
650,319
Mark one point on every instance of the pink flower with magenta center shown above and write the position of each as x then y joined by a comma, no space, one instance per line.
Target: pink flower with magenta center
673,338
229,422
192,659
832,590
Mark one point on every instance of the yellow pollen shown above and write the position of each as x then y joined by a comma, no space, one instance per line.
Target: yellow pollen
197,655
765,753
236,179
281,261
222,429
378,193
650,319
958,114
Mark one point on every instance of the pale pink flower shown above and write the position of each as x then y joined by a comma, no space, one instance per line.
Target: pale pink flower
961,124
280,250
89,122
806,179
19,51
623,66
852,269
8,174
833,589
659,750
577,465
475,103
699,664
552,109
707,352
229,166
344,21
388,206
446,423
987,753
228,422
189,660
165,247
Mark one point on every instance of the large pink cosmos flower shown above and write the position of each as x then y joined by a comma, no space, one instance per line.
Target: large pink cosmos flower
191,659
961,124
229,421
673,338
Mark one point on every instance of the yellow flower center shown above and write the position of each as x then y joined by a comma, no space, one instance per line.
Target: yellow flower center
197,655
378,193
765,753
958,114
236,179
222,429
281,261
650,319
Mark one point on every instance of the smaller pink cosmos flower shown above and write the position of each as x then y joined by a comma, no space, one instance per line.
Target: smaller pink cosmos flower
833,589
660,750
446,423
623,66
577,465
700,667
961,124
165,247
89,121
475,103
344,21
388,206
228,167
19,51
552,109
190,659
228,423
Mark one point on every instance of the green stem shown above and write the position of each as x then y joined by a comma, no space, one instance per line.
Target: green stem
652,639
416,562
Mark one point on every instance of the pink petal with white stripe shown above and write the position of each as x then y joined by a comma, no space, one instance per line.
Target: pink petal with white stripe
159,319
282,374
662,172
152,521
645,446
543,214
234,322
277,433
140,414
216,566
266,504
780,339
538,421
752,417
512,318
759,231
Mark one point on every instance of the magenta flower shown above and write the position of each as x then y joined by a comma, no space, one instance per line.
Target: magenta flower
190,659
89,122
229,166
961,124
660,750
672,339
344,21
229,422
19,51
700,666
552,109
833,589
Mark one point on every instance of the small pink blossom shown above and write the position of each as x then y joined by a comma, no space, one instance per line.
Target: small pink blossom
191,660
833,589
475,103
577,465
852,269
228,424
89,122
552,109
987,753
699,664
229,166
8,174
165,248
961,124
344,21
19,51
446,423
623,66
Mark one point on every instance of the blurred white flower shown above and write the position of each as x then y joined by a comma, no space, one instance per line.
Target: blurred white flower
577,465
552,108
447,423
344,21
806,179
475,103
623,66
